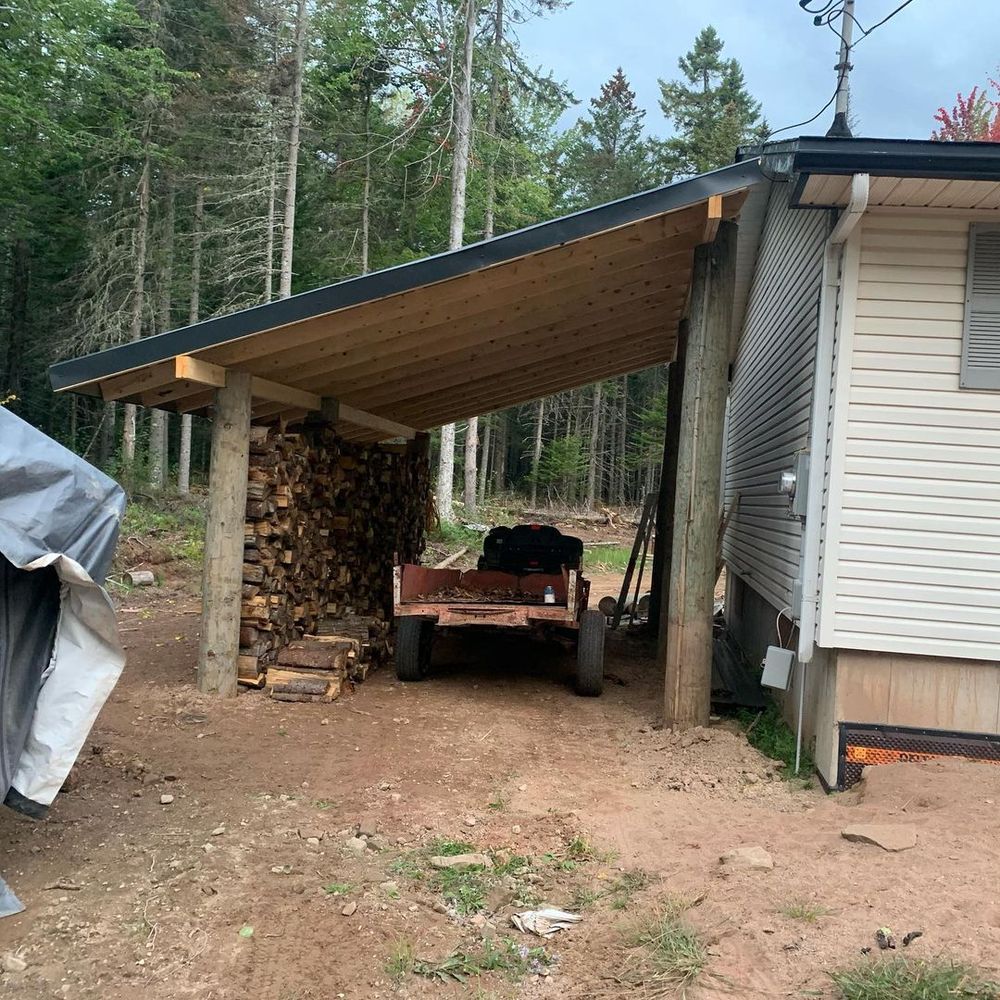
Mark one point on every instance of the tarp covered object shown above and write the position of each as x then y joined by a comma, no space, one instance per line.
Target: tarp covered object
59,650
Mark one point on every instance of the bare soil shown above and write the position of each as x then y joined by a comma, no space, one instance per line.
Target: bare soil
129,898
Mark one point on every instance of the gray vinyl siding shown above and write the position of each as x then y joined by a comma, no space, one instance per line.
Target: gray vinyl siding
771,395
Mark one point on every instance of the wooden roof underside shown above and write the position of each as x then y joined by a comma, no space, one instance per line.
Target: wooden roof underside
588,309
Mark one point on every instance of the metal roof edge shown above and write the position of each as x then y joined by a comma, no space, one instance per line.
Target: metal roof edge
403,277
892,157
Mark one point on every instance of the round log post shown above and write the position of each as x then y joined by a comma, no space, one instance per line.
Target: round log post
223,564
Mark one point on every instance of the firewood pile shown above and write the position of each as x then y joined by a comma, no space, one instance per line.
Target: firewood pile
326,522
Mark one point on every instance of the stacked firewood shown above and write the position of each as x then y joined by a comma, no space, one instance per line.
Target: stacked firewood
326,521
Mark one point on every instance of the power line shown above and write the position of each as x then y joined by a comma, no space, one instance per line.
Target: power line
887,18
830,11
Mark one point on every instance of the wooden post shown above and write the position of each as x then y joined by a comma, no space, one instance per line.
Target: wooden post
223,565
662,546
688,660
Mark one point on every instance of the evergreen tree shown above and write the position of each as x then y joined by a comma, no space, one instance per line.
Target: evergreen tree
607,154
712,111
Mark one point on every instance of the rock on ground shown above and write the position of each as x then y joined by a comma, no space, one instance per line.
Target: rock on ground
461,861
748,857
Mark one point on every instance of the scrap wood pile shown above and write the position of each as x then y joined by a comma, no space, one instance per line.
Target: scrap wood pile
326,521
495,595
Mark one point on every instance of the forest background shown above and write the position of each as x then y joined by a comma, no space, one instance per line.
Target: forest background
165,161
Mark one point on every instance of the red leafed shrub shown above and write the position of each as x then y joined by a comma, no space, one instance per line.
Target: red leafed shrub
974,118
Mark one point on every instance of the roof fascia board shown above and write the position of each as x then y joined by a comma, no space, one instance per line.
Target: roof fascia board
896,158
391,281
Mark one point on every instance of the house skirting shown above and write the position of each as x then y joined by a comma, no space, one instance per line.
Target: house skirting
918,702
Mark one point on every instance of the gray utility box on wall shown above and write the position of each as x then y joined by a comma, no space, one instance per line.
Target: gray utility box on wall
777,668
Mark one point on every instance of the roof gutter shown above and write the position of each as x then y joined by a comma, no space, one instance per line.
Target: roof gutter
822,391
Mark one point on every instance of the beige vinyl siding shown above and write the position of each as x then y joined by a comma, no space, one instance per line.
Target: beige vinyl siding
771,394
912,547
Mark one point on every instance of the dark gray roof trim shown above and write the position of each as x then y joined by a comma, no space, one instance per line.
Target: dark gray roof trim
378,284
890,157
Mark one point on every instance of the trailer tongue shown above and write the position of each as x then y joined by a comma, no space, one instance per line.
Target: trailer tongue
529,577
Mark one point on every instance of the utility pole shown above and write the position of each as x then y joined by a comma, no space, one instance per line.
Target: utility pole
840,129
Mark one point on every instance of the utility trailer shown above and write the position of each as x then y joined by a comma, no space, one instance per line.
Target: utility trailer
529,578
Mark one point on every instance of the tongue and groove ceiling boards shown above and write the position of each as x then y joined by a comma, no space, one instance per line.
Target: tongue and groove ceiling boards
559,305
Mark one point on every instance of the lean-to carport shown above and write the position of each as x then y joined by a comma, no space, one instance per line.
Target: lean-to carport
611,290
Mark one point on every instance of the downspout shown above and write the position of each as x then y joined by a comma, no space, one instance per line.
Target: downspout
822,390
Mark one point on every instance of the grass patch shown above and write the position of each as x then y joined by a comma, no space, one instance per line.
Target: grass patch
408,868
401,959
768,732
455,535
809,912
443,847
673,955
179,524
504,955
464,889
338,888
903,979
607,558
619,892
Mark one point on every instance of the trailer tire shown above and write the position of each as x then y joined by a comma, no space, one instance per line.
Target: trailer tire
590,654
414,639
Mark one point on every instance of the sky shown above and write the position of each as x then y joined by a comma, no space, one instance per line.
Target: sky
903,72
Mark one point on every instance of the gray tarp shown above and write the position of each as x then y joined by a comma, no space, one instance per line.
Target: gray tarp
59,650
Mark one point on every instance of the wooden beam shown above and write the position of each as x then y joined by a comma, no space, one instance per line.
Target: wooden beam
134,382
295,404
712,218
361,418
197,370
688,658
219,645
274,392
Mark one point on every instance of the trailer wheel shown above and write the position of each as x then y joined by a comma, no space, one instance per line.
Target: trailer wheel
414,638
590,654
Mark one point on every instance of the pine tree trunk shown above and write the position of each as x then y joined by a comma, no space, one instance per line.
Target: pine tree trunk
138,294
366,190
106,445
622,444
471,449
462,123
484,458
197,237
158,419
536,455
272,198
294,140
446,474
500,454
595,430
491,125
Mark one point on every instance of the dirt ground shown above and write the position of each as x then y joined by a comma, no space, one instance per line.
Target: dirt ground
127,897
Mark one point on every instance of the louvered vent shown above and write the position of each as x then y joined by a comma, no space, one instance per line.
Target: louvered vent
981,334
